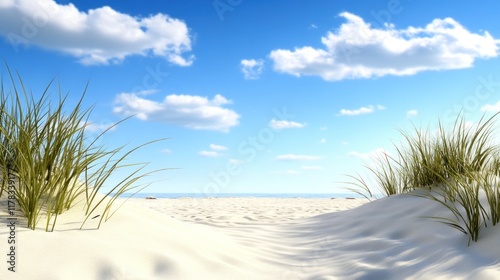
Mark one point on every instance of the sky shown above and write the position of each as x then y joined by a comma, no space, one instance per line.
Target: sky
258,96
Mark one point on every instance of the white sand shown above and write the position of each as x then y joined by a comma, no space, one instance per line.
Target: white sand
257,238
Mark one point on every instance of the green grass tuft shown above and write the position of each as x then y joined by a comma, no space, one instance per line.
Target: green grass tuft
456,168
44,145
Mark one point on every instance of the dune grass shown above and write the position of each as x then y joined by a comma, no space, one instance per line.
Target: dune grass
457,168
45,145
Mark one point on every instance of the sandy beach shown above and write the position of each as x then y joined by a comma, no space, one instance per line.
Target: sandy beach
256,238
395,100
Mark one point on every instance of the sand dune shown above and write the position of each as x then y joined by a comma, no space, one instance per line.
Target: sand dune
258,238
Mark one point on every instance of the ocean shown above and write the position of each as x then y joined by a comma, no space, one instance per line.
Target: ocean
257,195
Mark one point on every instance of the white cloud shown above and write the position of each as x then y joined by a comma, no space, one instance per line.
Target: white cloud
491,107
322,141
274,124
369,155
146,92
358,50
294,157
96,36
209,154
190,111
323,128
411,113
362,110
99,127
214,147
251,68
214,151
166,151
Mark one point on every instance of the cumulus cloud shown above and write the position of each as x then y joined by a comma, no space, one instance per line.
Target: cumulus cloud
274,124
214,147
294,157
99,127
360,111
146,92
190,111
491,107
251,68
411,113
96,36
214,151
209,154
358,50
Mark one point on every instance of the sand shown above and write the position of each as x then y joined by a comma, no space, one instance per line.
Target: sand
256,238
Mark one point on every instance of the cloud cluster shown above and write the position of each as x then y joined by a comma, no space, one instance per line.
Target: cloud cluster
99,127
358,50
277,124
209,153
218,148
411,113
251,68
294,157
190,111
491,107
214,151
362,110
96,36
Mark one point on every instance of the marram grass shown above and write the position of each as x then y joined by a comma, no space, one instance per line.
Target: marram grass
44,144
456,168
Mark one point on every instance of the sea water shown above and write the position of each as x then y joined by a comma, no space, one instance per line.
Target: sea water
256,195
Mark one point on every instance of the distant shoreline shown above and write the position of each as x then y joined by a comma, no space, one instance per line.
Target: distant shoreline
247,195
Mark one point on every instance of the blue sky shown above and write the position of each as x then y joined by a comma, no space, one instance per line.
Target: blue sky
259,96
